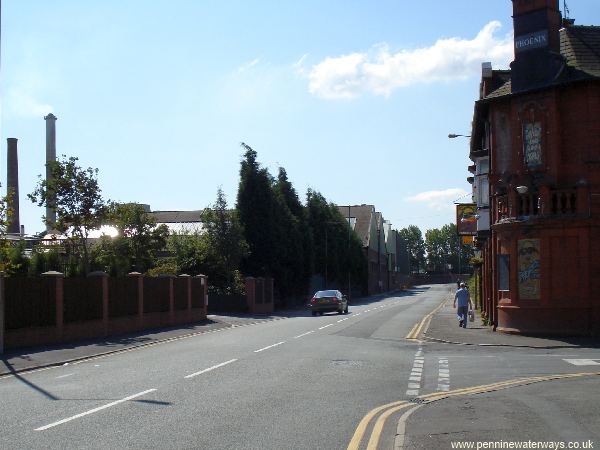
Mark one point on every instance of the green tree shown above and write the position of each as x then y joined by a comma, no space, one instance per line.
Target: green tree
75,195
336,251
189,250
256,206
143,236
416,246
444,246
294,257
225,243
437,247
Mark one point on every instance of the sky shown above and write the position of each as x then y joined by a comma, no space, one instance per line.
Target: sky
355,99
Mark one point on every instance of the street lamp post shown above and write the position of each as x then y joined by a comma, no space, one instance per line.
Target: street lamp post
349,258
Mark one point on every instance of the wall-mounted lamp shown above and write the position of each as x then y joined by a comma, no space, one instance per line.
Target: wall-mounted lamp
453,136
522,189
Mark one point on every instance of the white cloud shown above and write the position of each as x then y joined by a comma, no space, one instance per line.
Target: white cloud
380,72
22,103
438,200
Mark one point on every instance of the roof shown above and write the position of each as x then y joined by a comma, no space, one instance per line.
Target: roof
363,214
580,48
176,216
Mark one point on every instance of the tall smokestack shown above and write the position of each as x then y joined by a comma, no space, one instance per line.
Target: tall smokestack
50,157
12,186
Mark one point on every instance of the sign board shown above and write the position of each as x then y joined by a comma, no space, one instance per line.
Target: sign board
531,41
466,219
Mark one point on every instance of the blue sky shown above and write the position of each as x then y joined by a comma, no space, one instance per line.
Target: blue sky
354,99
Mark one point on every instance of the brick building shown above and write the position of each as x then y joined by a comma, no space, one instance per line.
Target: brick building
538,127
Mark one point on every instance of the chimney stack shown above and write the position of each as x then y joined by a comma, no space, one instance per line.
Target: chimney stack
537,26
12,186
50,157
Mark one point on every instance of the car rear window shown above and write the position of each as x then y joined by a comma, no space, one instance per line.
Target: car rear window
322,294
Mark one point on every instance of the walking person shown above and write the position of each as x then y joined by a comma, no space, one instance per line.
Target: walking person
462,303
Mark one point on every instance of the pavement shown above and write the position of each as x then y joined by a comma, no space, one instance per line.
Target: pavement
444,328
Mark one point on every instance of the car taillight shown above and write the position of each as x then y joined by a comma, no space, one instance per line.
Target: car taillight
313,300
334,299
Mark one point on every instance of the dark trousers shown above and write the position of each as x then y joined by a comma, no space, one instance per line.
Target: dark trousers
463,315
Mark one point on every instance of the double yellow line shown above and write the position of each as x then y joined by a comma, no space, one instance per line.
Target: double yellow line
424,323
386,411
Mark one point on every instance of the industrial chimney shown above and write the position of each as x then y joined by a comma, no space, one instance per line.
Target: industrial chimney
12,186
50,157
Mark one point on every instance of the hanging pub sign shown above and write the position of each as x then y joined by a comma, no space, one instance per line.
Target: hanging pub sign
466,219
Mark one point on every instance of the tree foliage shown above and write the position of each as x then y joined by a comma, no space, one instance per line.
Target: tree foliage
286,238
74,193
443,247
256,209
225,244
415,245
337,250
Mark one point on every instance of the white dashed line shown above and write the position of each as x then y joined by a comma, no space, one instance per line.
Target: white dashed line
443,375
304,334
65,376
414,381
341,320
267,348
210,368
91,411
326,326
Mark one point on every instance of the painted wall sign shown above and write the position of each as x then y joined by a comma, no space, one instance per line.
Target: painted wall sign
531,41
529,269
532,143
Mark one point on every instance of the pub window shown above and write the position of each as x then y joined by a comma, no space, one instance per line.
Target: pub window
503,272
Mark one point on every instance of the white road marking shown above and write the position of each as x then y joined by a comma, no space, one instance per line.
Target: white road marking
304,334
414,380
268,347
65,376
341,320
322,328
91,411
443,375
583,362
210,368
357,314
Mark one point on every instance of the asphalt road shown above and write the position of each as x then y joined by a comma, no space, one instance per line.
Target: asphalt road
299,383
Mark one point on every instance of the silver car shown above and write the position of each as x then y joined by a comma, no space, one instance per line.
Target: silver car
324,301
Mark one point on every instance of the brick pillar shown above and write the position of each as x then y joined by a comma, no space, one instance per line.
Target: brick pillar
2,309
56,280
140,280
204,283
583,195
545,203
189,290
250,293
171,298
104,285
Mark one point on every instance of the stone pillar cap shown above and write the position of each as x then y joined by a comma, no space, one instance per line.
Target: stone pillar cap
52,273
